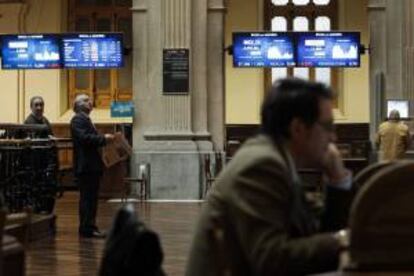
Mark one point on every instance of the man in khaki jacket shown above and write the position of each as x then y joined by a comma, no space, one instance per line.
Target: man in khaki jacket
256,220
393,138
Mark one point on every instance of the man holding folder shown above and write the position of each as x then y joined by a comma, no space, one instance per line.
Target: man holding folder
88,166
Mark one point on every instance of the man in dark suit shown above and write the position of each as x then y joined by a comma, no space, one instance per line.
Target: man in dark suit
256,220
88,165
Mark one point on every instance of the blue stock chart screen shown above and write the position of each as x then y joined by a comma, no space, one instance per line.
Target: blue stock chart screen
34,51
92,50
270,49
328,49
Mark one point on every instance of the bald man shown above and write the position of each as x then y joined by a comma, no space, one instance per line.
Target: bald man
393,138
88,166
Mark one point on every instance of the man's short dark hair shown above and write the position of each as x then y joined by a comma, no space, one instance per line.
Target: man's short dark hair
288,99
34,98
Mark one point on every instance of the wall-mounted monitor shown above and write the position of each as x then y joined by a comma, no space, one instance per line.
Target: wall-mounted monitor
328,49
92,50
31,51
263,49
402,106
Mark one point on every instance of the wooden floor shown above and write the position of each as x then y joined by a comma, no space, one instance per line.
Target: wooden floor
67,254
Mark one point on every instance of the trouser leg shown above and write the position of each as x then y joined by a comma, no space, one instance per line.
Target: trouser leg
88,202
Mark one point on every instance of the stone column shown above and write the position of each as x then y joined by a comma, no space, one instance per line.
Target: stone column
171,131
215,73
394,50
408,52
199,73
377,61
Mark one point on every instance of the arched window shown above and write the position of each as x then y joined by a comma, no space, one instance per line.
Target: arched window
103,85
301,15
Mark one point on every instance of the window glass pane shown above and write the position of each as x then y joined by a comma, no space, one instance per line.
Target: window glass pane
125,26
321,2
300,2
323,23
127,3
103,25
82,79
103,78
300,23
103,2
278,73
323,75
279,23
94,2
125,73
86,2
82,25
302,73
280,2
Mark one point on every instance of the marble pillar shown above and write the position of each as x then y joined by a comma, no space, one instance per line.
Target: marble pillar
173,133
377,61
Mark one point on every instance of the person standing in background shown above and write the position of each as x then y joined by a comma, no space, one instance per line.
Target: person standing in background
88,166
46,203
36,117
393,138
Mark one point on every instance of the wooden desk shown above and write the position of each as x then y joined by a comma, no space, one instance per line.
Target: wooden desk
13,258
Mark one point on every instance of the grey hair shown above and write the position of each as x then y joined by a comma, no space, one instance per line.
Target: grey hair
77,103
34,98
394,115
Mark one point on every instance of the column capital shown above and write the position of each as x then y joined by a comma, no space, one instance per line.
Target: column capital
377,4
139,6
139,9
217,6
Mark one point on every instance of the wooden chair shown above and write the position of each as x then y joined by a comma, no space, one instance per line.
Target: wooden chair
211,171
381,220
143,180
12,257
18,226
208,174
364,175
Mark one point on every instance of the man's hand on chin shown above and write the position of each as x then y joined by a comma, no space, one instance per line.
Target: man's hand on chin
333,167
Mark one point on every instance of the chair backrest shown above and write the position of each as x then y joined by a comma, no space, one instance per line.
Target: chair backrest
219,162
131,248
143,171
364,175
207,167
381,220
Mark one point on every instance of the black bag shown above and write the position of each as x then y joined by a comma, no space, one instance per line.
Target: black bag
131,248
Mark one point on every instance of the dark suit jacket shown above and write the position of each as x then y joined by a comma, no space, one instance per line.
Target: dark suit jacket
86,144
32,120
268,226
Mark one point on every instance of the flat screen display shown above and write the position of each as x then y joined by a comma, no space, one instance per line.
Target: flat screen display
402,106
92,50
328,49
271,49
34,51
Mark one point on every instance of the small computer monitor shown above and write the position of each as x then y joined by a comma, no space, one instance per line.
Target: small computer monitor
402,106
31,51
263,49
92,50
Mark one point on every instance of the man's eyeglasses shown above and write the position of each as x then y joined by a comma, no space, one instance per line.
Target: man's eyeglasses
328,126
